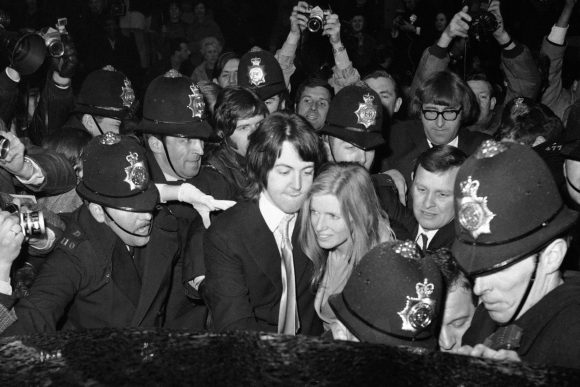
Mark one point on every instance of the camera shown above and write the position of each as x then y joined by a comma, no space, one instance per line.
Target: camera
31,220
53,38
4,147
483,23
316,19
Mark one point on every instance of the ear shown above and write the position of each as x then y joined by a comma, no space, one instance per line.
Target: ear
492,103
553,255
413,176
97,212
215,81
282,105
398,103
155,144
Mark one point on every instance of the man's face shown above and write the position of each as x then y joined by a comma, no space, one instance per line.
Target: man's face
457,316
106,124
572,173
138,223
328,223
274,103
185,154
433,197
482,91
229,74
440,131
174,13
358,23
313,105
96,6
440,22
183,52
501,292
385,88
289,180
345,151
243,130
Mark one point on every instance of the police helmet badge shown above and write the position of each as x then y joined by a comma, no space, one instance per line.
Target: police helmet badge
110,138
109,68
137,176
172,74
419,311
127,94
196,103
366,113
256,72
474,215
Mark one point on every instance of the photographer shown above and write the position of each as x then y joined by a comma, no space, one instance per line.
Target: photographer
343,71
517,64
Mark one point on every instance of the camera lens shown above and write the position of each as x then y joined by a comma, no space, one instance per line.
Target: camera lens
56,49
32,222
314,24
4,147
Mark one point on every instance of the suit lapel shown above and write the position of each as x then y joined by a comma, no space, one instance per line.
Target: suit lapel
444,237
261,245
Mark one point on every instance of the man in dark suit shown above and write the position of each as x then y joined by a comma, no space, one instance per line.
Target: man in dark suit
256,278
432,194
114,265
445,105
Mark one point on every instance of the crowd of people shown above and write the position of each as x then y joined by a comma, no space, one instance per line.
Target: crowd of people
415,199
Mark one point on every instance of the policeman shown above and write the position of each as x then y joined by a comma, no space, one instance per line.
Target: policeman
115,264
511,227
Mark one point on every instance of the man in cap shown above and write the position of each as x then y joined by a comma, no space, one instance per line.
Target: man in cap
511,227
394,296
115,264
261,72
352,134
258,278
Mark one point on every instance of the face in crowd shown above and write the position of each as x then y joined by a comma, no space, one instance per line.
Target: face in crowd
328,222
484,95
386,89
432,194
185,155
459,309
313,105
289,180
244,128
342,151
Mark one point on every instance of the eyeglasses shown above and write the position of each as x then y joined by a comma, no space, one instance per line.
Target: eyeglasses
448,115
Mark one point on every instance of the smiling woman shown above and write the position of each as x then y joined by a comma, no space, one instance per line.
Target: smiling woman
341,220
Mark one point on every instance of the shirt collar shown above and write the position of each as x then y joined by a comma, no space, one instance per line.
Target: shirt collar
454,142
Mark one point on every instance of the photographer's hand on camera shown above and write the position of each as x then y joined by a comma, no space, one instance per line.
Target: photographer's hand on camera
332,29
15,162
66,65
500,34
299,18
11,238
458,27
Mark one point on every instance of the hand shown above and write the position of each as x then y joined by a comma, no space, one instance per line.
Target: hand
459,24
204,204
14,160
11,238
494,8
400,183
299,18
332,28
67,64
407,27
482,351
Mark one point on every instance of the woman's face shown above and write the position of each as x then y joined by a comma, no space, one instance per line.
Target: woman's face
211,54
174,12
328,223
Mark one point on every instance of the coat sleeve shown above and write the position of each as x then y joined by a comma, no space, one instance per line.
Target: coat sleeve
521,73
555,96
225,290
59,175
57,283
434,59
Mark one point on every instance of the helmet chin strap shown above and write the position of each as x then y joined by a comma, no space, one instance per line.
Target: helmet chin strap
526,293
123,228
164,141
97,123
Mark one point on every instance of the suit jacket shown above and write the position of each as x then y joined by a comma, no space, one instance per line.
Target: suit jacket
410,141
243,284
444,237
75,287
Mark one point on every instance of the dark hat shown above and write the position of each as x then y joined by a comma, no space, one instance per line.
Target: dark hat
572,131
174,106
507,207
115,174
106,93
393,296
571,150
356,116
261,72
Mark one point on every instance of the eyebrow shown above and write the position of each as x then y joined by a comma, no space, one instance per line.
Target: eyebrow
291,167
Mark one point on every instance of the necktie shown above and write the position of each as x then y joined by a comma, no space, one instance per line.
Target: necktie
288,321
125,273
422,240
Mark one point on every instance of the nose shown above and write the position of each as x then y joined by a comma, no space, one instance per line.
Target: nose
440,121
313,106
233,79
429,200
446,340
320,224
297,182
196,146
147,216
480,286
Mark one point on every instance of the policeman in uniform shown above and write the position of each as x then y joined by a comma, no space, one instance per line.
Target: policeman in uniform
115,264
511,227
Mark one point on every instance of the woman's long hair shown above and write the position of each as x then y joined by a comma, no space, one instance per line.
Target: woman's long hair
359,205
